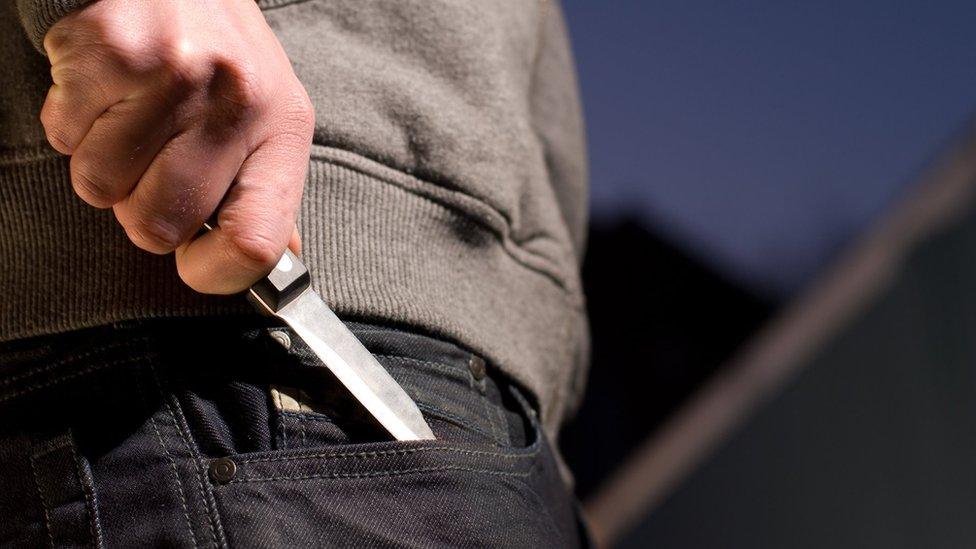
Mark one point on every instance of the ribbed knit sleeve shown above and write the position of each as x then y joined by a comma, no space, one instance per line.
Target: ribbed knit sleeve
37,16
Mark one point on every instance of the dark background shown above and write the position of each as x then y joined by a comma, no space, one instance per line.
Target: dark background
736,149
762,135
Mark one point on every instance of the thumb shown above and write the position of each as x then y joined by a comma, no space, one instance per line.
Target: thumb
295,242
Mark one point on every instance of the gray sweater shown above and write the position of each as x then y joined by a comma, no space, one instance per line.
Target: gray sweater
446,186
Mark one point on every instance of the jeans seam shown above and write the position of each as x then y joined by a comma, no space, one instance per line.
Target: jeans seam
400,452
539,443
63,362
173,410
490,419
500,416
44,504
283,424
169,457
440,366
94,523
541,503
305,416
418,373
54,381
386,473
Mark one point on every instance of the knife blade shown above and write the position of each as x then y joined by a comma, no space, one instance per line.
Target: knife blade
287,294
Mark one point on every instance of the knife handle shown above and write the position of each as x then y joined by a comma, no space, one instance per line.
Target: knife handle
284,283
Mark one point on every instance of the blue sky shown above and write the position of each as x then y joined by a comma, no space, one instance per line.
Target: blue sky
763,135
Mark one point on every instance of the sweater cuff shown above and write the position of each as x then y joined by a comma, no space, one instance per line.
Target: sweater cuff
37,16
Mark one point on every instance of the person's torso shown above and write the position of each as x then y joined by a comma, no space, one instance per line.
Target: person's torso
446,187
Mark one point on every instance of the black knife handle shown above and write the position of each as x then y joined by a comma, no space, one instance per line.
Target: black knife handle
284,283
288,279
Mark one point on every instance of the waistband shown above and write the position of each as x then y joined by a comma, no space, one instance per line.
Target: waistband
56,374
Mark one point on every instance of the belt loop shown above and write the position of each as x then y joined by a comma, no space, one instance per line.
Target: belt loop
66,491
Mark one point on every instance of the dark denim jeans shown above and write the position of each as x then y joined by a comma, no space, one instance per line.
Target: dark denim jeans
218,432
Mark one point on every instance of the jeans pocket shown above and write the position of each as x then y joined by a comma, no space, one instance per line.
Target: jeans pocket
445,492
459,396
489,479
257,396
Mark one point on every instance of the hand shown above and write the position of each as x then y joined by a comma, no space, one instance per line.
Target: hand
171,109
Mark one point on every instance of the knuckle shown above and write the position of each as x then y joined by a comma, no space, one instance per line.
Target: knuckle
298,109
95,190
154,234
180,66
294,121
74,75
56,124
76,30
58,137
57,37
50,118
118,44
89,77
254,251
237,88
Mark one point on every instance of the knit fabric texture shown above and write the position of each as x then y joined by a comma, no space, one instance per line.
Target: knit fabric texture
446,187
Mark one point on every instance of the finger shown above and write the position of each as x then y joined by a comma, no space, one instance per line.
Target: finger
180,189
256,222
73,103
119,147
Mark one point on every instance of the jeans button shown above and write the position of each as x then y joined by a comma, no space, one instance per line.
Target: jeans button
477,367
282,338
222,470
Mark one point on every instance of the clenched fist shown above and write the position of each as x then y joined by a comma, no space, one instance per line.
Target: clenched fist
173,110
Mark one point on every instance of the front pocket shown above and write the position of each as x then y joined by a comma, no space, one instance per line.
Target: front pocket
488,480
423,493
259,396
379,459
458,406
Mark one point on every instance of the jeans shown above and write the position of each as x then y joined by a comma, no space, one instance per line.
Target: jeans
221,431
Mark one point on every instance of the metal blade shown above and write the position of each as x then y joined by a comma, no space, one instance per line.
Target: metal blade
355,367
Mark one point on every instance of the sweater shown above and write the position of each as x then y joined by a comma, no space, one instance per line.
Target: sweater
446,188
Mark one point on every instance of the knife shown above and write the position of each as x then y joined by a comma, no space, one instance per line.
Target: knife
287,294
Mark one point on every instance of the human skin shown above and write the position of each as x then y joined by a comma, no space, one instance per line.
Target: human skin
173,110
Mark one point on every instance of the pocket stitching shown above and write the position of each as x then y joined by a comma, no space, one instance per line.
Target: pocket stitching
440,366
386,473
405,451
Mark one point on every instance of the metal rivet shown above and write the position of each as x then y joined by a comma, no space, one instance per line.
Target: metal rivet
477,367
222,470
282,338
